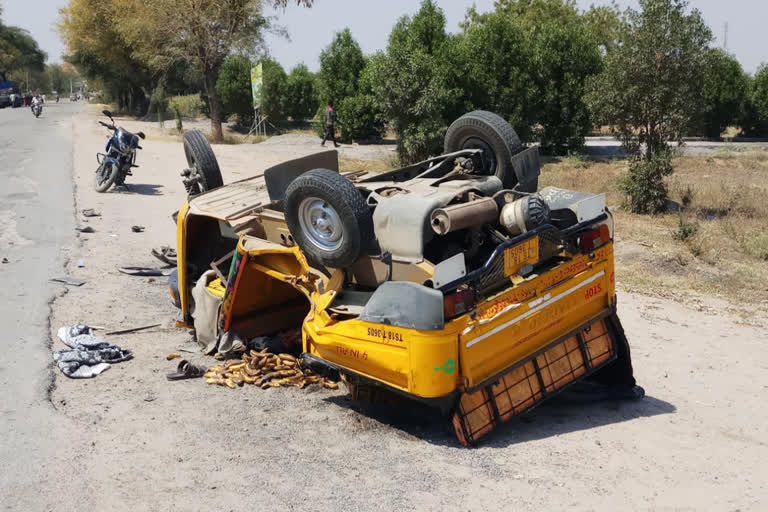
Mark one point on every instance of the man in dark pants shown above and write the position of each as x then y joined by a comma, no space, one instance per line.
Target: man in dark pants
330,121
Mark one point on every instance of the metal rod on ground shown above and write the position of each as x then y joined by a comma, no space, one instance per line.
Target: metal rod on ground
126,331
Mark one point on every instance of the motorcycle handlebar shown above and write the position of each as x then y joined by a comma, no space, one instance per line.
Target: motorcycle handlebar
110,126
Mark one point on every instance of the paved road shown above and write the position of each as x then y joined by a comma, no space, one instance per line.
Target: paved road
36,229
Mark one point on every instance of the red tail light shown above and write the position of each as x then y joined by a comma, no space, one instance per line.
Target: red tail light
591,240
458,303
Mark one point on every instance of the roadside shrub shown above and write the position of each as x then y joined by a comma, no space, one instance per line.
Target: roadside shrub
361,118
189,106
644,182
686,229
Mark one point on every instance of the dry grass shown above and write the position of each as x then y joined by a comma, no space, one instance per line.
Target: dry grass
716,245
354,164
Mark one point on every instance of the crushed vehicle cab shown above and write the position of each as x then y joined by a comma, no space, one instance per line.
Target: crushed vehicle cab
452,281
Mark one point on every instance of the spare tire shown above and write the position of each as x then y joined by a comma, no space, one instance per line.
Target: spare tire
491,133
204,168
328,218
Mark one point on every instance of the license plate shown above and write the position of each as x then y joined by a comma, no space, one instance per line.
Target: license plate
520,255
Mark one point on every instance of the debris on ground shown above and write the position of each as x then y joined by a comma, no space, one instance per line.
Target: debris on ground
187,370
80,263
89,355
166,254
265,370
86,229
5,260
74,281
137,229
90,212
174,355
145,271
133,329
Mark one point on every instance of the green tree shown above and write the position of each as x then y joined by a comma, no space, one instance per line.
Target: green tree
300,102
274,90
362,114
495,62
341,63
202,33
234,87
416,83
724,92
99,52
19,51
534,58
650,91
754,122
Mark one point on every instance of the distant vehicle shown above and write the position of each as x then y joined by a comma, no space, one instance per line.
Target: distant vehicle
120,158
73,97
6,90
37,106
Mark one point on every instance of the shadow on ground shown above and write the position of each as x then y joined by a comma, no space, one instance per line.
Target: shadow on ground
565,413
144,189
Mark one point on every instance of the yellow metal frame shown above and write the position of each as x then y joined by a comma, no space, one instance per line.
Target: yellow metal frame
470,349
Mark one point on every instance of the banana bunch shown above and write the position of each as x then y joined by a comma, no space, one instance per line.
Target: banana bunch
266,371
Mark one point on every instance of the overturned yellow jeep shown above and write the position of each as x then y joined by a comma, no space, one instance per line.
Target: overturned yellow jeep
453,281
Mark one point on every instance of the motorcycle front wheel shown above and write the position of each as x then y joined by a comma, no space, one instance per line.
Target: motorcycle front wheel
105,176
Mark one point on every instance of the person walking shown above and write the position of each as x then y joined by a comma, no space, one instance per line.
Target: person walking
330,121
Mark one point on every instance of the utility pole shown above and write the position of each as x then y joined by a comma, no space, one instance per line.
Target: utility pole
725,37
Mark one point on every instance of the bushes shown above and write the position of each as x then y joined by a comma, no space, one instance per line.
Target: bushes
190,105
644,182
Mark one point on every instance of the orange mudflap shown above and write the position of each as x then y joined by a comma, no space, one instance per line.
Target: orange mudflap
533,380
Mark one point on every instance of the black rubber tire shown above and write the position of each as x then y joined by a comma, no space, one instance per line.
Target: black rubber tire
104,186
200,156
349,204
497,135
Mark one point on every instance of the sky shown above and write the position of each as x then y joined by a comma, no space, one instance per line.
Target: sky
371,21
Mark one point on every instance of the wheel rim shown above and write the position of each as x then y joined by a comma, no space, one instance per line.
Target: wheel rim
321,224
488,157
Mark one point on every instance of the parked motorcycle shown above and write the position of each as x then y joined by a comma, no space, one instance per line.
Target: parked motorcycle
120,156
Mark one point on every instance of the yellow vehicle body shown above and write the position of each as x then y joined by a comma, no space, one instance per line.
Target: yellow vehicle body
474,347
503,355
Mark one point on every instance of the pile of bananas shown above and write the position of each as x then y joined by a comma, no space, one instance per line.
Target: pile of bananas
266,371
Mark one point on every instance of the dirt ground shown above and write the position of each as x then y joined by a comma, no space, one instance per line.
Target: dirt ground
698,441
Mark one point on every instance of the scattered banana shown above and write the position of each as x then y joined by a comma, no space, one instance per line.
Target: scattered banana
172,356
266,371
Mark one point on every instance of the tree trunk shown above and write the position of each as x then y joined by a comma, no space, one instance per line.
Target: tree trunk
214,105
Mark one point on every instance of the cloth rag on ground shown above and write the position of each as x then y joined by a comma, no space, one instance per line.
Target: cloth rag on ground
205,311
89,355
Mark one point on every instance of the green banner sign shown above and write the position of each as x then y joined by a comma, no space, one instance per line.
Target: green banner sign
257,79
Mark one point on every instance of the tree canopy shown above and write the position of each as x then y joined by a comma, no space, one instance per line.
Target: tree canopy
651,91
724,92
19,51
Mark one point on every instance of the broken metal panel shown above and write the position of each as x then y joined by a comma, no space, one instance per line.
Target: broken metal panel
231,201
278,177
527,169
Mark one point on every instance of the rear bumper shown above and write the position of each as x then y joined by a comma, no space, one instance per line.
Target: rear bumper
597,351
